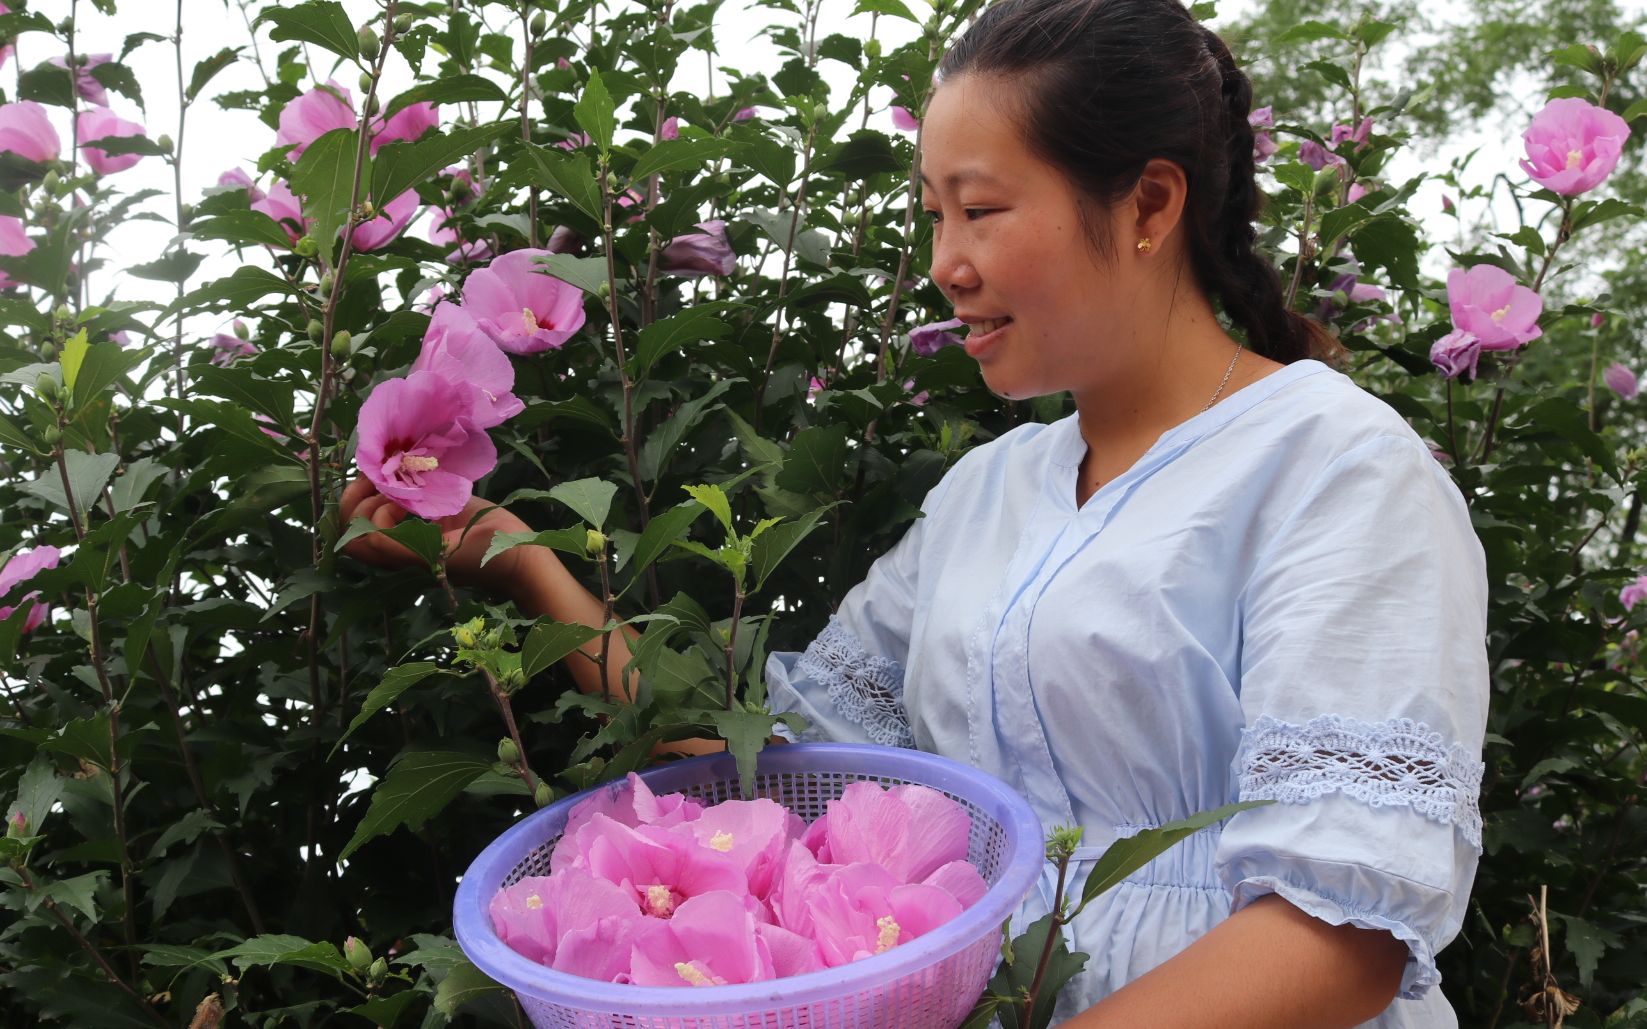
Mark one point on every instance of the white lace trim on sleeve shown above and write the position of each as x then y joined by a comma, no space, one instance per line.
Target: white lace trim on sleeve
1398,762
867,690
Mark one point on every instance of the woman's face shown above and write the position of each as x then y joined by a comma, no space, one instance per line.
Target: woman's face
1009,248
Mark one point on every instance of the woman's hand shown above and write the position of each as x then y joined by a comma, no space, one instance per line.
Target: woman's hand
464,549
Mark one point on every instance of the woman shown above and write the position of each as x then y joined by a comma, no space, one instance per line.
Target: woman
1232,574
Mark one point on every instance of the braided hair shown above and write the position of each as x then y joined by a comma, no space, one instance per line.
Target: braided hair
1106,85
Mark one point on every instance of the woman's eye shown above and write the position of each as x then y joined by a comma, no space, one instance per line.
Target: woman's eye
934,216
974,213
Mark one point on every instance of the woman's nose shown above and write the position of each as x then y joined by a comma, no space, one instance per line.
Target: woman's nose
951,269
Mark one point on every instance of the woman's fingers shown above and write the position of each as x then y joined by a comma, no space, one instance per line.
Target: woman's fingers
353,494
376,548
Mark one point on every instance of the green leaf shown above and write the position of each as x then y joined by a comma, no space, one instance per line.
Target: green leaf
237,290
1636,110
772,546
568,175
281,949
671,154
1015,980
74,354
102,365
1309,32
88,474
396,681
589,499
745,733
420,537
673,333
586,273
448,89
714,499
1126,856
567,541
400,166
38,790
385,1011
661,531
461,985
1587,942
12,436
895,8
176,265
206,69
243,227
815,461
321,22
1605,210
184,830
79,893
84,739
661,443
595,112
129,489
549,641
325,180
418,785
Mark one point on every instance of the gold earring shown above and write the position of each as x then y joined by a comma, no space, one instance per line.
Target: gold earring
1144,244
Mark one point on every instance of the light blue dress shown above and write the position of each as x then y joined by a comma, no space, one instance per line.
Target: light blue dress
1283,599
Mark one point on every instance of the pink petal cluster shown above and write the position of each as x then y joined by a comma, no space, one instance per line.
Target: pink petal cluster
1634,593
1261,121
421,443
1621,381
26,131
388,222
14,242
21,567
522,309
7,50
226,349
670,129
1573,145
662,891
85,83
695,254
927,340
306,118
904,121
102,123
1490,311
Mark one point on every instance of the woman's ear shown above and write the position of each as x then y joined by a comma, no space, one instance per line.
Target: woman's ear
1158,201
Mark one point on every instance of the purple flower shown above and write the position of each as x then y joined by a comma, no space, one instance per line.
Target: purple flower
26,132
1263,147
1317,156
101,123
306,118
1573,145
85,83
283,207
523,309
903,121
1621,380
919,399
455,349
391,219
408,124
1355,192
1446,204
1489,304
1634,593
1262,118
420,446
19,568
575,141
226,349
699,253
670,129
14,242
927,340
1597,320
1357,135
1456,354
235,177
744,114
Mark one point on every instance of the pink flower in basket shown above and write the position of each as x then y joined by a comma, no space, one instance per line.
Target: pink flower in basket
661,868
715,939
861,910
909,831
633,804
753,833
569,922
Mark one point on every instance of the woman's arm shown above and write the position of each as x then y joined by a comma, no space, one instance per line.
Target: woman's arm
1267,966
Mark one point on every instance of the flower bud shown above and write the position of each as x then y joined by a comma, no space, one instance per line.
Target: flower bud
368,42
467,635
325,287
508,753
377,971
316,330
371,104
164,143
511,680
48,350
820,112
306,247
240,329
403,24
539,24
544,795
365,82
359,955
341,342
17,826
873,49
594,541
62,314
51,435
46,386
1597,320
51,181
604,291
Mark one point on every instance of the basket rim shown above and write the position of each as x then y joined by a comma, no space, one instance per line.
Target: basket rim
1024,856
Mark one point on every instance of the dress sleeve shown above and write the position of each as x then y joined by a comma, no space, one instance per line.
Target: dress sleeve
849,683
1364,686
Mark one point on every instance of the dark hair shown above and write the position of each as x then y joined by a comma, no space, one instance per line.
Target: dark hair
1108,85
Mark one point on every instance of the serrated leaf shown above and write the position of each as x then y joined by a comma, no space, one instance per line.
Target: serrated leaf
713,498
549,641
589,499
567,541
282,949
1587,942
815,461
207,68
448,89
321,22
325,181
184,830
568,175
237,290
38,789
74,354
88,474
1309,32
243,227
12,436
398,167
662,441
396,681
461,985
417,786
595,113
586,273
775,544
745,733
894,8
1126,856
102,365
1016,979
663,530
671,334
671,154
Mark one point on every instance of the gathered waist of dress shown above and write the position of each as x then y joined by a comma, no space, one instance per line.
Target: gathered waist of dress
1188,864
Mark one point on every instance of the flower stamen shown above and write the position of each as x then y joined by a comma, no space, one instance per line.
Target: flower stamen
889,932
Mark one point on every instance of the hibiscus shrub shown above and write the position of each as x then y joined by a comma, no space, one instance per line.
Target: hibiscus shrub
686,337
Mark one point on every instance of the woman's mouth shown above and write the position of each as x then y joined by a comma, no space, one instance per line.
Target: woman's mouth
984,334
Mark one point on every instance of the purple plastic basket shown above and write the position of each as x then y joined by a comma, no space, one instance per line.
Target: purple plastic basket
928,983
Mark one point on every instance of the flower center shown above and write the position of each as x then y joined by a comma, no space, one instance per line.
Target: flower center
889,930
415,463
659,901
721,841
532,322
1574,158
1500,314
534,902
692,975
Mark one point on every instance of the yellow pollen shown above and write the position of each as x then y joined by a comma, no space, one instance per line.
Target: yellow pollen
658,901
529,319
1500,314
1574,158
889,933
534,902
418,463
721,841
690,974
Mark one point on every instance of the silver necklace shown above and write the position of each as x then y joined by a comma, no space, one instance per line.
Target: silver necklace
1226,381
